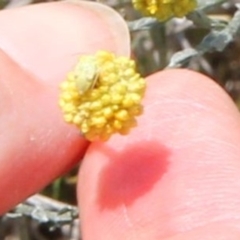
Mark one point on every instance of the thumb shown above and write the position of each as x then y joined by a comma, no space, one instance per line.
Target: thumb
39,45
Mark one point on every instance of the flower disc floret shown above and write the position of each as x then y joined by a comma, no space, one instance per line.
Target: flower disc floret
102,95
165,9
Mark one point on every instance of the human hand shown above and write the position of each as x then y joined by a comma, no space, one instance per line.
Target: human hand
175,177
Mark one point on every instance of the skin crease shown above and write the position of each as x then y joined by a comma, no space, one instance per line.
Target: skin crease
175,177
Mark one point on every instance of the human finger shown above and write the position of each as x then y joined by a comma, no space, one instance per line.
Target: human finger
178,170
39,45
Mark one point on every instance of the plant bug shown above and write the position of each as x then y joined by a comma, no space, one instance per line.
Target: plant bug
87,74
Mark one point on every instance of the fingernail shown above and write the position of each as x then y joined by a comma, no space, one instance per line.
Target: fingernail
114,20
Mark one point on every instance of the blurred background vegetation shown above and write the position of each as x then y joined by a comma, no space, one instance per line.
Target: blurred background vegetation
153,45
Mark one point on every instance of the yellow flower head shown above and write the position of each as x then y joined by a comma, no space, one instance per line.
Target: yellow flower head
165,9
102,95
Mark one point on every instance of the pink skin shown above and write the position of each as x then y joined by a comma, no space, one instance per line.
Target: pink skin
175,177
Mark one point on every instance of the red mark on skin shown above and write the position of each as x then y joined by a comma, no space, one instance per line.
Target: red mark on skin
131,174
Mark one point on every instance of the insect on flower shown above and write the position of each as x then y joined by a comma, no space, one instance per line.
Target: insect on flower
102,95
87,74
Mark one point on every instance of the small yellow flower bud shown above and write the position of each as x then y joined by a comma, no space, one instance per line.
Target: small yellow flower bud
98,122
122,115
108,113
116,99
77,119
96,105
68,118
